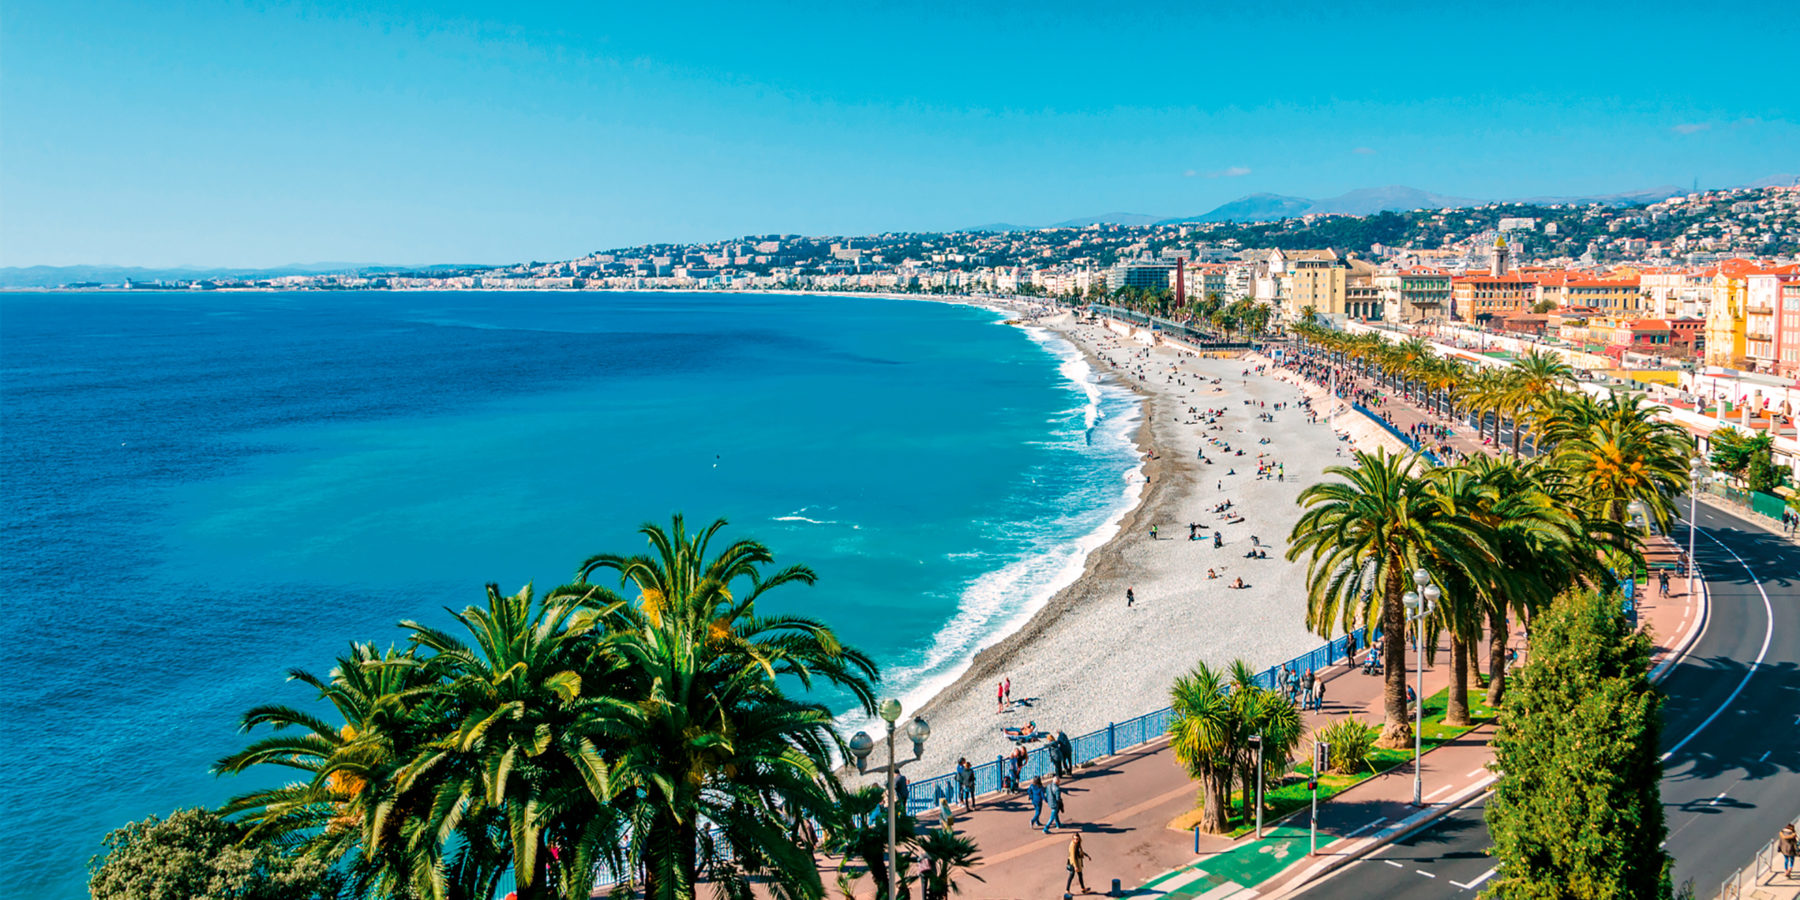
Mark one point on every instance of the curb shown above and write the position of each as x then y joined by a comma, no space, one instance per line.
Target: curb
1420,820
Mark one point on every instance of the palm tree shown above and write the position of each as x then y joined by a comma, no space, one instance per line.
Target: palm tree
1537,378
712,757
523,707
1365,535
1205,735
1621,452
856,829
1270,715
347,810
944,853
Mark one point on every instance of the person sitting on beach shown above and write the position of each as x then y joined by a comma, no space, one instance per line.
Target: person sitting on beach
1211,574
1238,584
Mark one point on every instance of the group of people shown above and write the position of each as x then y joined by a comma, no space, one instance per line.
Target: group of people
1304,689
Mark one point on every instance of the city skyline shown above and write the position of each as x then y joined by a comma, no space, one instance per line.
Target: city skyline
236,135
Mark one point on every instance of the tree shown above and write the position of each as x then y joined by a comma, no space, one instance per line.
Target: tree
1206,735
943,854
707,736
1365,535
520,753
1537,378
195,854
350,809
1267,713
1620,452
1577,811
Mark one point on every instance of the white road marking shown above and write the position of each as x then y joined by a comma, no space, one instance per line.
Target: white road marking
1394,864
1438,791
1715,800
1365,828
1478,880
1767,752
1424,873
1474,772
1768,635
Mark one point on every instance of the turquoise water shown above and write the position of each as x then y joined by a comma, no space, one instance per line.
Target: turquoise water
204,490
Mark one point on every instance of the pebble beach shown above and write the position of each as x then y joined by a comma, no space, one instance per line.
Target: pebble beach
1087,657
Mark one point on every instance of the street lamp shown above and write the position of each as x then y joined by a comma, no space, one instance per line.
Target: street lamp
1696,475
1257,739
1418,607
861,744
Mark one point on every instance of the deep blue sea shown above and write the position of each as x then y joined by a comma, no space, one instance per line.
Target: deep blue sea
201,491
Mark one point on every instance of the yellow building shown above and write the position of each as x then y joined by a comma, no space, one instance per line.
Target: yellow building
1726,316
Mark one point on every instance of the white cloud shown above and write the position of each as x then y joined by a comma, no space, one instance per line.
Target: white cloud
1230,172
1691,127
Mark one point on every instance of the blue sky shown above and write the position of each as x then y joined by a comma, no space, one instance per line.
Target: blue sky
268,133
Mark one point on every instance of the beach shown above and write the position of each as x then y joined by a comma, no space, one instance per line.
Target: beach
1086,657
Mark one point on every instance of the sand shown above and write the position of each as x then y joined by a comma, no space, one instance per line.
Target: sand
1085,658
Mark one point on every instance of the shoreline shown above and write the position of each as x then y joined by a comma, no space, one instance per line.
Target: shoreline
1080,658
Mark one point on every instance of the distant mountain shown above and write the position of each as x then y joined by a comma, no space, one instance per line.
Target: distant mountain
999,227
1253,208
1394,197
58,276
1626,198
1111,218
1775,181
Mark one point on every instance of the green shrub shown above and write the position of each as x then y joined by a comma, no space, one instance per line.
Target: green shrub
1351,739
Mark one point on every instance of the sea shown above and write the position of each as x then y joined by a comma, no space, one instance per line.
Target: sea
202,491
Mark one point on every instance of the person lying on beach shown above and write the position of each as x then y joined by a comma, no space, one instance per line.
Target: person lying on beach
1238,585
1029,729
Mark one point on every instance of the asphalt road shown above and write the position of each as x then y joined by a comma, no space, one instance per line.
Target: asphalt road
1731,728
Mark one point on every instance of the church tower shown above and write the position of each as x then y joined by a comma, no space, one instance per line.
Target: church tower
1497,266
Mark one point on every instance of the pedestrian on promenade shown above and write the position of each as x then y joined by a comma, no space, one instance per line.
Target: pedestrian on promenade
1785,844
1053,799
1068,754
902,793
1035,793
1319,694
1306,681
1077,857
1130,597
1350,649
967,777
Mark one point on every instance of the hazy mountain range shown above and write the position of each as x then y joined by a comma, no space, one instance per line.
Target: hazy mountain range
58,276
1361,202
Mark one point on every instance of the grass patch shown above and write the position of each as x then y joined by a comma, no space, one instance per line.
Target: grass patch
1291,795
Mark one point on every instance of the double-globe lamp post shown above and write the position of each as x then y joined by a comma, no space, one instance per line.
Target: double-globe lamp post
1419,604
861,744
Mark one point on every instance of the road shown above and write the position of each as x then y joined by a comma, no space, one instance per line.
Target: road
1731,729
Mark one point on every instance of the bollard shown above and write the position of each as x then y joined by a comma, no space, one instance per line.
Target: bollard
1117,888
1196,840
1110,747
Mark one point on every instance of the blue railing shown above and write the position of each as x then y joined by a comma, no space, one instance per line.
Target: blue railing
1407,439
922,795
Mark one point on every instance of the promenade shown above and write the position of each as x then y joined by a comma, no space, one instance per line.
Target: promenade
1123,805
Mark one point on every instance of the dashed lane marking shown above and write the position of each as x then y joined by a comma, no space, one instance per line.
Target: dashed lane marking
1424,873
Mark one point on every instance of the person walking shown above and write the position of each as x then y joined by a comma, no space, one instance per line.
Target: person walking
1077,858
1662,581
1068,754
1306,682
1130,597
1318,697
1035,793
902,794
1785,844
966,777
1053,799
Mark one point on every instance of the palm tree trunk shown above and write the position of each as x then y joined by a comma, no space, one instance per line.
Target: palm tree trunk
1458,711
1497,638
1397,733
1515,425
1215,794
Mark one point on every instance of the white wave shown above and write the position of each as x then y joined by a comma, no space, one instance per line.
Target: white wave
1000,602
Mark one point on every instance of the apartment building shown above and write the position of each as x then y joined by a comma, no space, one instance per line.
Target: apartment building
1474,299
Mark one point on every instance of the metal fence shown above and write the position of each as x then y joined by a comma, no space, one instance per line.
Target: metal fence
1761,866
923,794
1407,439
